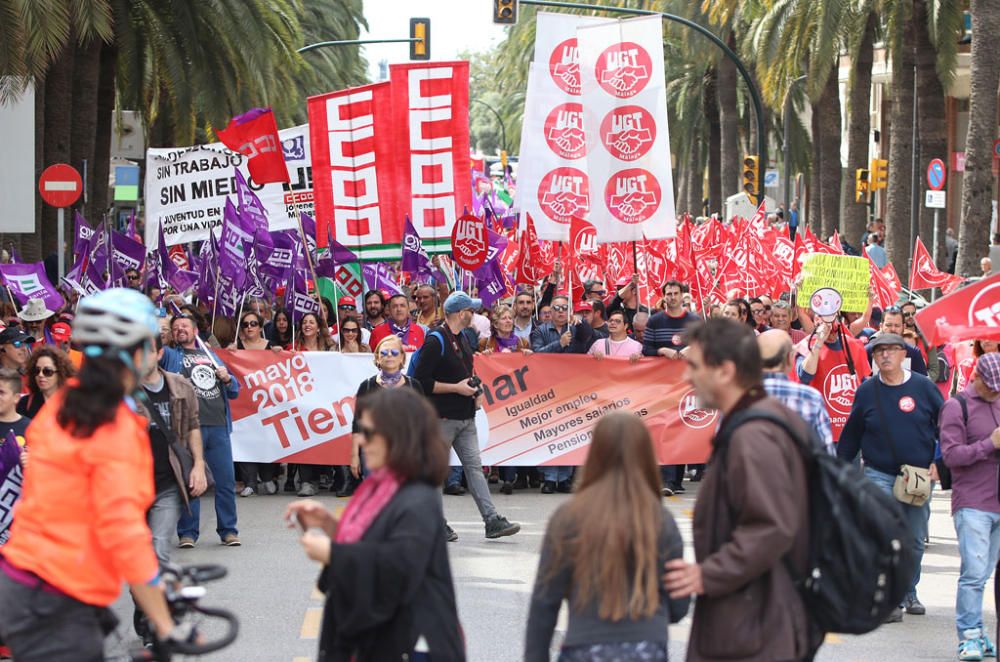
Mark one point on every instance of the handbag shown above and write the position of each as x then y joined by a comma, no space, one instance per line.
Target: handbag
913,484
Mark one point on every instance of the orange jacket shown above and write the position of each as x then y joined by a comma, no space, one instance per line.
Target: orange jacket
81,521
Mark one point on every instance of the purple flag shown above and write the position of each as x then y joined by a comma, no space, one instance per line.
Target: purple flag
276,259
341,254
28,281
128,253
250,207
130,230
208,264
297,299
82,232
234,244
378,277
415,258
10,481
490,282
309,228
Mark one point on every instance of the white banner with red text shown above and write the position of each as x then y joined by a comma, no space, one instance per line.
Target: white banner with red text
537,410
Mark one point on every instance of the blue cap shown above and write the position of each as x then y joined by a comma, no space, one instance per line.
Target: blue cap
458,301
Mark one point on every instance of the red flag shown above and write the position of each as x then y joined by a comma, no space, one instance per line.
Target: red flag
254,134
534,263
800,254
892,277
925,274
886,290
587,257
835,243
971,313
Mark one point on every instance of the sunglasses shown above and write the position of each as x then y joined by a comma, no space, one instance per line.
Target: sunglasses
599,292
251,324
345,307
367,431
134,277
560,309
908,314
388,352
48,372
348,329
18,343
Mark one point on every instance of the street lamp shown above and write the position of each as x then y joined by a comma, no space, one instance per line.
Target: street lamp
785,121
503,129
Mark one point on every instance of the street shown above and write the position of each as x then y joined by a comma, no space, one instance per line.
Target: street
270,585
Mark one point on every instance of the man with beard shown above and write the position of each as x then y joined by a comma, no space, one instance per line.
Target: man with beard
374,309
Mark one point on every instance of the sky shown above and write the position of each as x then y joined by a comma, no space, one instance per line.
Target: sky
456,25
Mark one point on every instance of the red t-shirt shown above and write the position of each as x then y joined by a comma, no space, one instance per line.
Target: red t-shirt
413,339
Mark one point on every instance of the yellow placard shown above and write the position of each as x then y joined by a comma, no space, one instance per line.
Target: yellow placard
848,275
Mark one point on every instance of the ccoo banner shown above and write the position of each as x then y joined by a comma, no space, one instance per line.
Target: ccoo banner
552,177
299,407
625,115
187,187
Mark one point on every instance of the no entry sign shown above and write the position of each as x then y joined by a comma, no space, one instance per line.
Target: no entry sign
60,185
936,175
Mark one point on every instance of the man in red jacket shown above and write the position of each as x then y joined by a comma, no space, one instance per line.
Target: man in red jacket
400,324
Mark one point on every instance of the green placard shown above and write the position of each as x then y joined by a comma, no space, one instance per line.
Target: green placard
848,275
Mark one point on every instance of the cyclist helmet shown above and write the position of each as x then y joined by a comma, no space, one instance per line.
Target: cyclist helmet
115,318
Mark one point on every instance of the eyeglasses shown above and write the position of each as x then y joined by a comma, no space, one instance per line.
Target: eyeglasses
347,329
886,348
615,320
560,309
250,324
388,352
758,311
133,276
600,293
47,372
366,431
908,313
345,307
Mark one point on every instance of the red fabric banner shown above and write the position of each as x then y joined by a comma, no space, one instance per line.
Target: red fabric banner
925,274
255,135
971,313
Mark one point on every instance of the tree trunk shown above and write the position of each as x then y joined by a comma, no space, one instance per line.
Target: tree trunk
83,134
898,206
729,117
715,199
933,136
695,177
59,112
815,172
977,183
831,170
854,214
102,148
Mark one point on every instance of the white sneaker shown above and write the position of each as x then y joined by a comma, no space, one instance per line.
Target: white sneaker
270,487
307,490
247,492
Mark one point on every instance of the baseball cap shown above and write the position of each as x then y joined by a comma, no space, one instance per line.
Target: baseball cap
14,334
347,301
888,339
458,301
987,367
584,307
60,332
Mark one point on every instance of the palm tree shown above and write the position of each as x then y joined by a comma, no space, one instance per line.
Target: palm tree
977,183
900,187
855,215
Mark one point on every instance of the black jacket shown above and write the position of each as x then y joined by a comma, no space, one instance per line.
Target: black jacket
393,586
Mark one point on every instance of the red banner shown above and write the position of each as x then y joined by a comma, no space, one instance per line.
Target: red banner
430,132
971,313
354,170
925,273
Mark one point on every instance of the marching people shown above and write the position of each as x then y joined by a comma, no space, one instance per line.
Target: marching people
350,337
400,324
312,335
603,552
524,315
892,322
35,316
617,344
446,372
282,329
251,332
385,569
970,442
47,370
627,299
894,425
503,338
15,348
214,387
374,308
747,533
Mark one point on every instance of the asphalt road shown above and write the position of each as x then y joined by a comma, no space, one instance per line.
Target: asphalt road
270,585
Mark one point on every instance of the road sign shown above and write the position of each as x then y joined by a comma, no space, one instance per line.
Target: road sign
996,149
936,175
935,200
60,185
771,179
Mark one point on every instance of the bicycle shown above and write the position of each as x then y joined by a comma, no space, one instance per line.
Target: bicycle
183,591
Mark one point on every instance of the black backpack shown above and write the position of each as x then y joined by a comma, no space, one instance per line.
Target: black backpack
860,564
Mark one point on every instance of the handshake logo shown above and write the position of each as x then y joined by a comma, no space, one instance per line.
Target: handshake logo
564,193
628,132
564,66
564,131
624,70
632,195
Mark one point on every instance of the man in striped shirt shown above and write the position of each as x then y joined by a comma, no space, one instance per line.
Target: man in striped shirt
776,352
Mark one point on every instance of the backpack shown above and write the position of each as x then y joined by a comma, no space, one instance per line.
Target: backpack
860,565
411,369
944,473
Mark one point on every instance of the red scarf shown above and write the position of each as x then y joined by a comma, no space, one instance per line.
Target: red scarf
376,490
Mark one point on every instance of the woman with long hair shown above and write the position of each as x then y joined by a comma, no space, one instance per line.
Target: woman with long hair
48,370
81,528
350,338
604,552
312,335
281,335
255,476
386,574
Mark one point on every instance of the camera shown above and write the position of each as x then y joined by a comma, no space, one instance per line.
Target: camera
476,383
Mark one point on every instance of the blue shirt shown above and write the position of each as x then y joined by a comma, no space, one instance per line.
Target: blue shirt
878,256
804,400
665,330
909,433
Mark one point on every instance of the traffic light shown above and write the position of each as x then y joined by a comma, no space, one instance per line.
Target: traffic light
503,160
879,176
860,184
751,177
505,12
420,29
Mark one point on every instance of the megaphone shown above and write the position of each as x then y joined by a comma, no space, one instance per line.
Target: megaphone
826,303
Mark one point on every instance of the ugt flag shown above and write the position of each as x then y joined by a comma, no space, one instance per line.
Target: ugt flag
254,134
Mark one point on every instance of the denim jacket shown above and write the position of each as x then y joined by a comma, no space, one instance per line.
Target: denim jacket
172,361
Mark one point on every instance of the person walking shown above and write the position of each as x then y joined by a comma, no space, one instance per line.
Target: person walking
446,372
386,574
215,387
894,423
602,554
970,441
748,536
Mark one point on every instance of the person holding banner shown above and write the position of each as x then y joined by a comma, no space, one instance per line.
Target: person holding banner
445,370
602,554
313,335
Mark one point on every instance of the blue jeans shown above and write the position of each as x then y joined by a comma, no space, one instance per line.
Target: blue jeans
454,476
916,517
978,544
219,458
556,474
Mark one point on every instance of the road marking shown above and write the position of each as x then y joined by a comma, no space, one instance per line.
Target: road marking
832,638
302,658
688,512
311,623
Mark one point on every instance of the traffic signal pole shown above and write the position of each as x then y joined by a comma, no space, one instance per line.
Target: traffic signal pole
758,106
354,42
